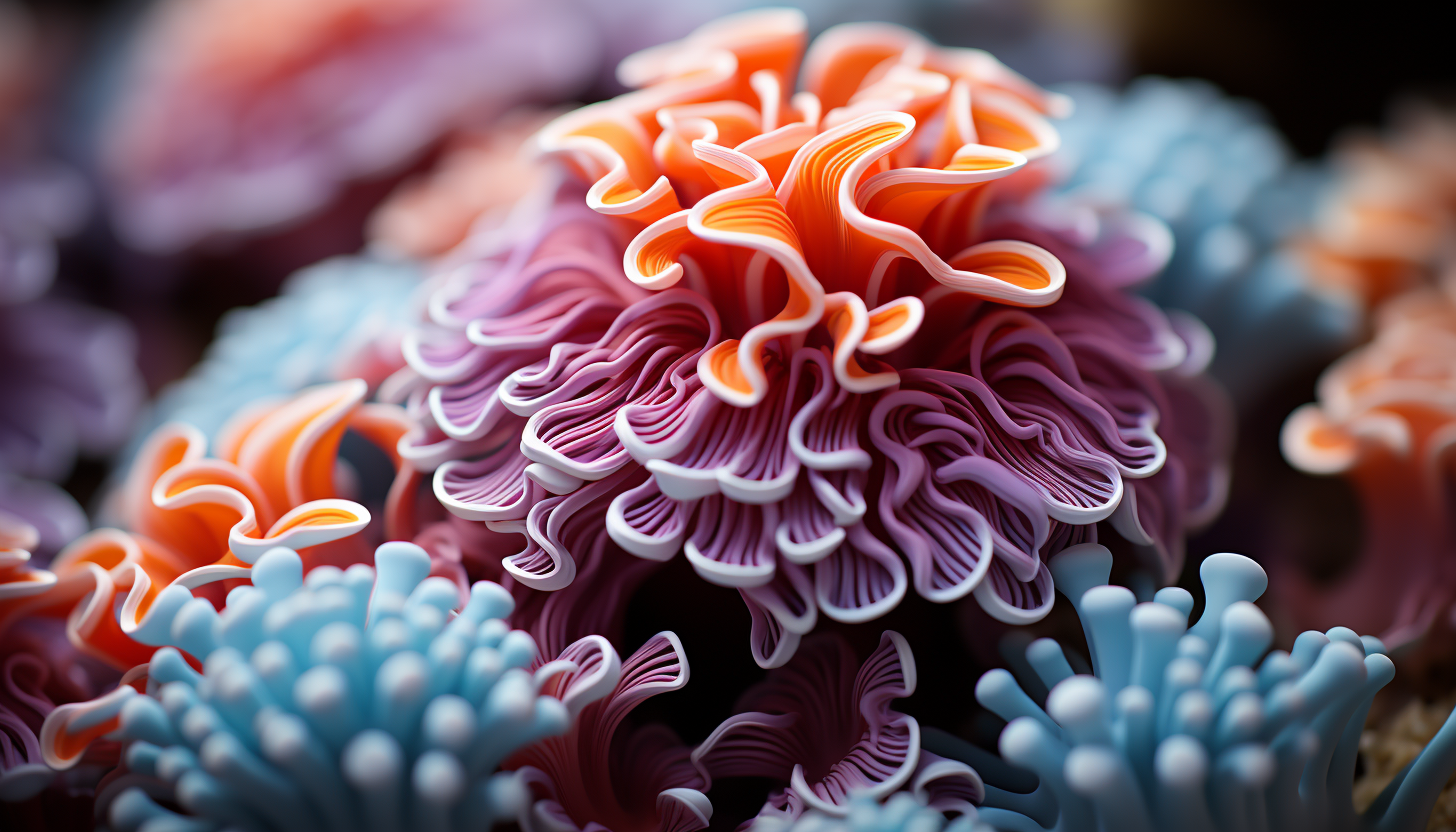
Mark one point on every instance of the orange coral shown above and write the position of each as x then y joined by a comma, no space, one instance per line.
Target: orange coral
194,520
1386,419
850,204
1390,215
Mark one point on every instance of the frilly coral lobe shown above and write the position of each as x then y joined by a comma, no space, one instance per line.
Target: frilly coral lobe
756,390
1384,223
1185,727
600,774
823,728
193,520
38,668
1382,418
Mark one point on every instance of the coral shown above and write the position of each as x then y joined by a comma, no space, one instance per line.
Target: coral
824,729
1220,176
335,320
812,314
1394,743
348,699
900,812
39,668
600,776
240,115
193,520
1185,727
1385,223
1383,420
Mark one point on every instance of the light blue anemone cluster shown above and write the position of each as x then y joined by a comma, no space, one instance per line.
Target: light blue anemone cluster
901,813
1185,728
350,700
289,342
1221,177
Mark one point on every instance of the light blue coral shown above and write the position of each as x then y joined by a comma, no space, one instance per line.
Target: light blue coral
1221,177
1186,728
349,700
324,313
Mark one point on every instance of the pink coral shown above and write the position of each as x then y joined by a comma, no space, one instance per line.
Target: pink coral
824,729
243,114
787,335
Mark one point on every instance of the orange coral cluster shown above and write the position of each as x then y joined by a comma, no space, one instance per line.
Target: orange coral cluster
195,520
1386,419
850,204
1388,220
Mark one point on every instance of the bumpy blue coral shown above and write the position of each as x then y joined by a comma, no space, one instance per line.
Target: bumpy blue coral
901,813
1184,728
1220,176
325,314
352,700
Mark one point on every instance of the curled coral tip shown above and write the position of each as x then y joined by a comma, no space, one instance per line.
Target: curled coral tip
1313,442
17,578
310,524
589,671
726,376
1010,271
894,766
1017,605
651,258
682,809
70,728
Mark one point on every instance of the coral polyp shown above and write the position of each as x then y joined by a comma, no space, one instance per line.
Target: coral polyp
1198,726
347,699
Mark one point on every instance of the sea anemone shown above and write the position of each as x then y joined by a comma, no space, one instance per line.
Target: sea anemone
1185,727
38,668
600,775
349,699
755,378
